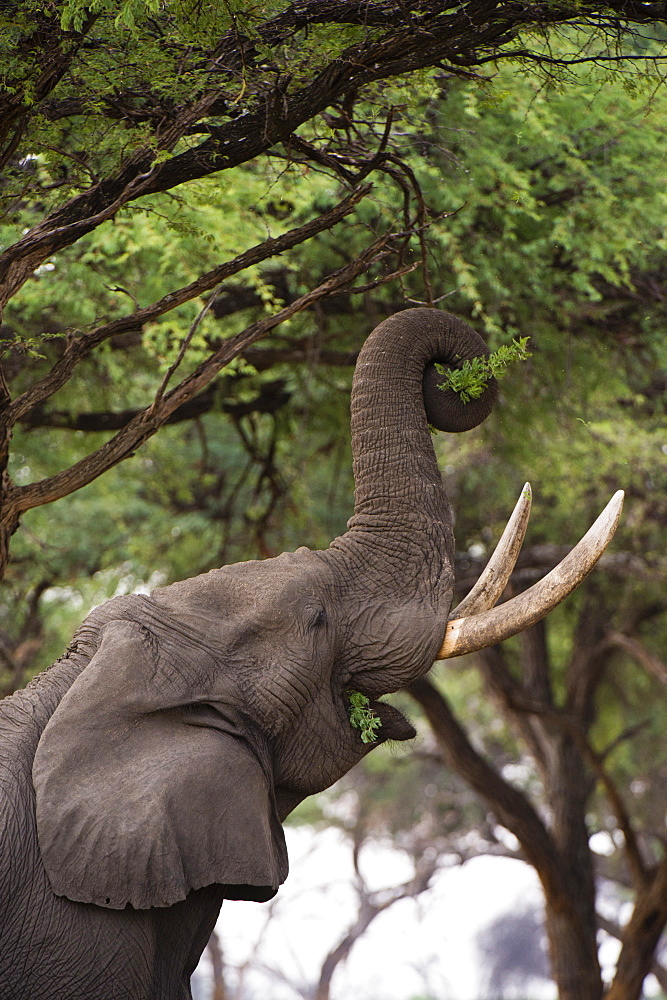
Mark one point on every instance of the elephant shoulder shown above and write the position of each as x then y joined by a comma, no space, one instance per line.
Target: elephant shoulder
19,735
24,714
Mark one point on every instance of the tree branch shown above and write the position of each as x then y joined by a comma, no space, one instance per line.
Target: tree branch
79,347
270,397
510,806
641,936
147,422
371,904
395,41
640,654
636,864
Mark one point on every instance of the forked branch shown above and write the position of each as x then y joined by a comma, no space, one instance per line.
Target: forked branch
81,346
147,422
510,806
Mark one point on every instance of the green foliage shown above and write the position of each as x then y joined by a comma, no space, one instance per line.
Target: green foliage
471,379
75,12
362,717
552,222
553,201
546,196
524,167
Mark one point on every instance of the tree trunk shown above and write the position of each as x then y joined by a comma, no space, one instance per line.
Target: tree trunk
641,937
559,854
219,991
9,521
572,949
570,918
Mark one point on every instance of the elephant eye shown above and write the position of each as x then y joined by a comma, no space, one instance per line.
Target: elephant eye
317,617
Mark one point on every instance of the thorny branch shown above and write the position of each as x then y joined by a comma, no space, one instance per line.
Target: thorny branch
263,110
79,347
147,422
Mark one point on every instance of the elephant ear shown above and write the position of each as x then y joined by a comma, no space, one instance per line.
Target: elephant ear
140,803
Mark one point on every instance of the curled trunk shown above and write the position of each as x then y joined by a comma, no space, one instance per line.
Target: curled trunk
402,517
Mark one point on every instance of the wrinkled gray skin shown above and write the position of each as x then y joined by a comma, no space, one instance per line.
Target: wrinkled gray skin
143,777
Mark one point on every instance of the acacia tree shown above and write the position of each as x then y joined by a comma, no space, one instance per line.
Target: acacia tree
107,106
93,146
578,701
566,751
552,826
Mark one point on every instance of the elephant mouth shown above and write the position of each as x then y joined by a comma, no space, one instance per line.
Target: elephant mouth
394,725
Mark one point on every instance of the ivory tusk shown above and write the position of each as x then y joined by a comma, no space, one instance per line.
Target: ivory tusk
499,568
469,634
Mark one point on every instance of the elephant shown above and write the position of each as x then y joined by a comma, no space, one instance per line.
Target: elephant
145,775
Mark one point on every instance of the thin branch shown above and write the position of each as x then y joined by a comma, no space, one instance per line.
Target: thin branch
641,936
421,223
577,61
640,654
187,340
638,869
511,696
371,905
146,423
627,734
81,346
613,929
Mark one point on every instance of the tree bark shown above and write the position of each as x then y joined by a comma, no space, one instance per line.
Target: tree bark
559,855
219,991
640,938
570,915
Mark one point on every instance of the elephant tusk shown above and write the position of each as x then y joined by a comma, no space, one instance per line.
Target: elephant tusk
499,568
469,634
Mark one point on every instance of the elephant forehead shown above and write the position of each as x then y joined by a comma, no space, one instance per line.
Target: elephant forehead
285,589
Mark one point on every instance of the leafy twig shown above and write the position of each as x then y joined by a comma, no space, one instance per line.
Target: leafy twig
362,717
471,379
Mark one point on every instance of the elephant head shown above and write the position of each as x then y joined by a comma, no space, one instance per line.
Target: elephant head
202,714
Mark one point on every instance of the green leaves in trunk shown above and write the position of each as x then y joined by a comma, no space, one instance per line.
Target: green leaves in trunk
471,379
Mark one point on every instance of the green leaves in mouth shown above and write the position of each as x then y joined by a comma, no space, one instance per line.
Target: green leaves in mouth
362,717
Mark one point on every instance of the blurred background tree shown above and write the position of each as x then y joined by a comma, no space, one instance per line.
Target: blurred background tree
519,181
